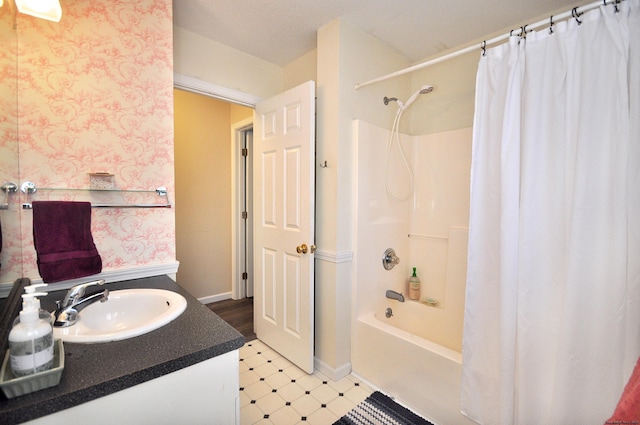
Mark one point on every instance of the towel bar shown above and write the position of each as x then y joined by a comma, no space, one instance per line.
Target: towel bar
30,188
28,206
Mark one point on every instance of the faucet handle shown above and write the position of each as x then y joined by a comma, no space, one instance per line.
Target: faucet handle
390,259
78,291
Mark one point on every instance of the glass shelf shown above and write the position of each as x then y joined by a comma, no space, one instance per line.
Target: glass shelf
99,198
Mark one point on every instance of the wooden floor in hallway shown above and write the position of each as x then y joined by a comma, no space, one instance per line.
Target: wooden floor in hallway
237,313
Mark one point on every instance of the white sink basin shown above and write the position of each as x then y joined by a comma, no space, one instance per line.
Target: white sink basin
126,314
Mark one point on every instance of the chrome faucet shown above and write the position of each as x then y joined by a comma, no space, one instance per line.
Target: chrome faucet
74,301
395,295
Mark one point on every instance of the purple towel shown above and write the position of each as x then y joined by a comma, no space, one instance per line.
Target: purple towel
63,241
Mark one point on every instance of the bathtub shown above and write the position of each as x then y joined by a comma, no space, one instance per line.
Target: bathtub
418,373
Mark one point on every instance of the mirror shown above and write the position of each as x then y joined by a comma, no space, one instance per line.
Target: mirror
10,248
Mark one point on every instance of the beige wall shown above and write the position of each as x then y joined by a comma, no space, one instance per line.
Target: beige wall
450,106
346,56
230,68
300,70
212,62
203,191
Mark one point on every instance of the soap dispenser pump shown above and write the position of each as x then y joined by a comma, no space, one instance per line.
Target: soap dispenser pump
31,339
43,314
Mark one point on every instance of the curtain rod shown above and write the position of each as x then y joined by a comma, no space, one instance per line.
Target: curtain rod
574,13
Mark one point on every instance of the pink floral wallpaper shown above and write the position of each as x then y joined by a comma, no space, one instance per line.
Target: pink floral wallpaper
10,245
96,95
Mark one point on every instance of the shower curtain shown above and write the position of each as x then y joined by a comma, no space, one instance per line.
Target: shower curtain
552,316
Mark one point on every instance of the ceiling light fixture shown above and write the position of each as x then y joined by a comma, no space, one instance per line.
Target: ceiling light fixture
44,9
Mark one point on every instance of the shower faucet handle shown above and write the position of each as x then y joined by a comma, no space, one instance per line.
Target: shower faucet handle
390,259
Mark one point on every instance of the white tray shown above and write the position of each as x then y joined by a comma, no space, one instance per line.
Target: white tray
15,387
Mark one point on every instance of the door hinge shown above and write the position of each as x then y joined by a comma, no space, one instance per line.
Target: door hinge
245,276
245,215
245,152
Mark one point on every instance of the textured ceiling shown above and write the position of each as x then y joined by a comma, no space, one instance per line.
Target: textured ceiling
280,31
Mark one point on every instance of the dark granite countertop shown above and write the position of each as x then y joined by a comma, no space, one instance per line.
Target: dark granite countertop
96,370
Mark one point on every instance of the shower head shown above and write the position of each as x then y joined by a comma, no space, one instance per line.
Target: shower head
423,90
426,89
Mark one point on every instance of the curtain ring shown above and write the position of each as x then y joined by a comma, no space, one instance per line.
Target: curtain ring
575,14
615,4
483,46
551,23
523,34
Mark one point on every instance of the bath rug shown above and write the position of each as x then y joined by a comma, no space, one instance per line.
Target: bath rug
378,409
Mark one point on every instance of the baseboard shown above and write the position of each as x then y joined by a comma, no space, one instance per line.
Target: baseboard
215,298
333,373
368,383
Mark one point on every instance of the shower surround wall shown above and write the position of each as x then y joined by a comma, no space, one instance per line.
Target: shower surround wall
96,94
427,231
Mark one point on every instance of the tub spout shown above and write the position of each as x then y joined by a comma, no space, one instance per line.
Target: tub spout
395,295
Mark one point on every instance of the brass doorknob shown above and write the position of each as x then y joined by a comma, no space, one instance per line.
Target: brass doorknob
302,249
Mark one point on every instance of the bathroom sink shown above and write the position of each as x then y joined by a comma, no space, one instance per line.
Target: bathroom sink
126,314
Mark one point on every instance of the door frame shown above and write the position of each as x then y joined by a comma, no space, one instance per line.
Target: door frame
240,234
194,85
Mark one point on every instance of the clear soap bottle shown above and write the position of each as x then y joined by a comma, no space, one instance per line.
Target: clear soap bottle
31,339
414,286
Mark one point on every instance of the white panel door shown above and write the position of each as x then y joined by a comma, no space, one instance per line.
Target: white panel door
284,192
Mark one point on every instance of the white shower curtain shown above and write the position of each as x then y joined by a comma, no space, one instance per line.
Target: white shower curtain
552,317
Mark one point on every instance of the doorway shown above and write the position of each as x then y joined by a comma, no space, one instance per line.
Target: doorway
207,131
285,241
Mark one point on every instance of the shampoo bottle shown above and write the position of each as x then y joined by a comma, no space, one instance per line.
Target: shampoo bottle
31,339
414,286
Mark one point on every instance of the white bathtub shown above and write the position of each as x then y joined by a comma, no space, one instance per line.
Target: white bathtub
420,374
440,325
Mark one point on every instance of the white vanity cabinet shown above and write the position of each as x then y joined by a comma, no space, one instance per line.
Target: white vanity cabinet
205,393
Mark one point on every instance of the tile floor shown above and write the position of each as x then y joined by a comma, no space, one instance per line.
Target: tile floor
274,391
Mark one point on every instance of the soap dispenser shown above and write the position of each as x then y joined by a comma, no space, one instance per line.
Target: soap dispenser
31,339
